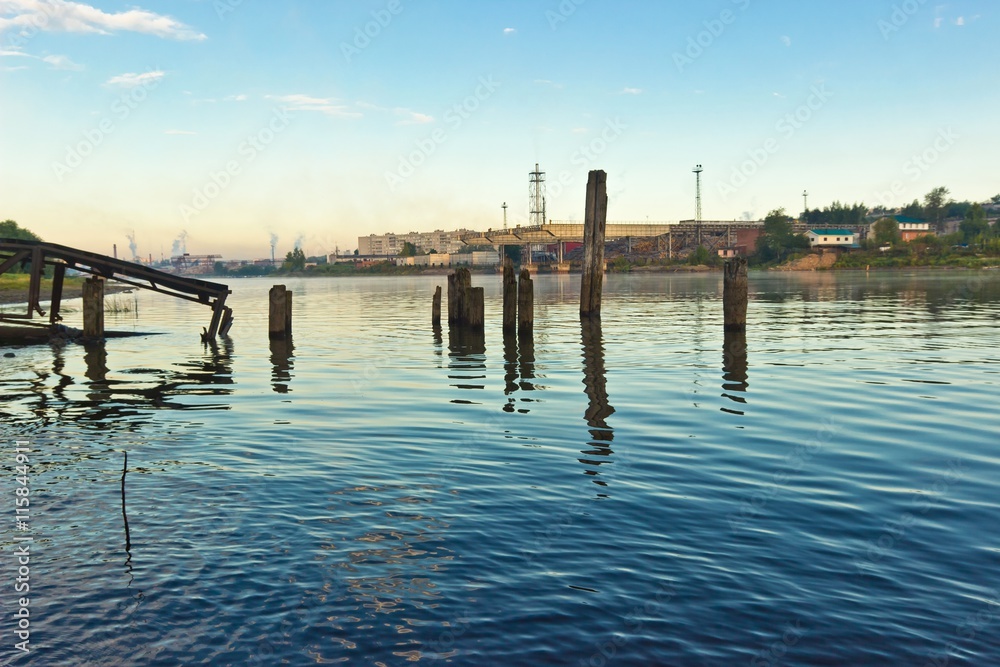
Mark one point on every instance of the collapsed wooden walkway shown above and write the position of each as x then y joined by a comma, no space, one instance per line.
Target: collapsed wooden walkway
35,256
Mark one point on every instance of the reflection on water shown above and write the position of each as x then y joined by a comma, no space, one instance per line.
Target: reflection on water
734,368
599,407
519,371
282,364
466,361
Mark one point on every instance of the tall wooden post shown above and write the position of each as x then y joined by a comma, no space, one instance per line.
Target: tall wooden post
525,304
279,313
594,227
734,294
93,308
510,297
436,307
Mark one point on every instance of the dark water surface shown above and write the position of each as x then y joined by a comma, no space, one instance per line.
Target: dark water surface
642,493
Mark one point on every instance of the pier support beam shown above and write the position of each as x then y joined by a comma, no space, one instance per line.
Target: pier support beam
525,305
436,307
510,298
93,308
279,321
594,226
58,275
458,284
735,294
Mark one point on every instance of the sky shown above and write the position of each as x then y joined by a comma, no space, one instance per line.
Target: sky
224,123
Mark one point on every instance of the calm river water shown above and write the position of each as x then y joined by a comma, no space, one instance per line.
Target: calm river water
642,493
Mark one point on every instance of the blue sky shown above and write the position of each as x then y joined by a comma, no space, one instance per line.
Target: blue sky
323,120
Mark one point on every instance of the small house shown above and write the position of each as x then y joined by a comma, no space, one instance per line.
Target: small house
832,238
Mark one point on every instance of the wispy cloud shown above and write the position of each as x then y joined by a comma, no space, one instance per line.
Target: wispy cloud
786,40
132,80
328,106
413,117
778,95
960,21
631,91
509,31
62,62
546,82
67,16
184,133
237,98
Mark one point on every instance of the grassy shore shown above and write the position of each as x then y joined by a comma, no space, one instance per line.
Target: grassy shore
14,288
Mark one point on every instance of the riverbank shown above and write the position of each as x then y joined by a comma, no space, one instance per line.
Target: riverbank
14,288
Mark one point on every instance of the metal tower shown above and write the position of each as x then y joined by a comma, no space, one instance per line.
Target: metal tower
504,207
805,200
536,197
697,216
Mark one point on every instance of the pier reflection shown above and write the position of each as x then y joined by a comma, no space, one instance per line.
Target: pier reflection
466,361
734,369
599,407
99,397
519,371
282,364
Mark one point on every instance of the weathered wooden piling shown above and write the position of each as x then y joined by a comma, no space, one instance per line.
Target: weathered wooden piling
436,307
458,285
510,297
525,304
475,308
594,226
279,312
734,294
93,308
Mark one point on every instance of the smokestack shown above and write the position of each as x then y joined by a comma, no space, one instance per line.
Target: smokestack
116,250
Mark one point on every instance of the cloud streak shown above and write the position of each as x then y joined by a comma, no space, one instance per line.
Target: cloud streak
330,107
66,16
133,80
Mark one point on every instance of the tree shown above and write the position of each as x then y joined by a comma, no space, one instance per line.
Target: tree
935,203
778,237
294,261
887,231
408,250
11,230
913,210
699,256
975,224
995,199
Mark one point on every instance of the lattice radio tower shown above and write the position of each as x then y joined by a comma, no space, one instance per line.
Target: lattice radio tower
536,197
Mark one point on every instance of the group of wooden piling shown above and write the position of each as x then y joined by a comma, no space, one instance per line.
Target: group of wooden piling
467,304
